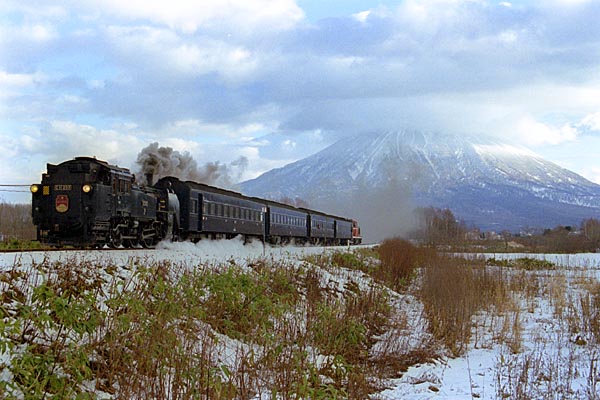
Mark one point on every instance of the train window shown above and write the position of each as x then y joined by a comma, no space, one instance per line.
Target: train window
194,208
205,208
220,210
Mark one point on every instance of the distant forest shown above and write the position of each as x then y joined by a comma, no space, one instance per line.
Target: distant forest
15,222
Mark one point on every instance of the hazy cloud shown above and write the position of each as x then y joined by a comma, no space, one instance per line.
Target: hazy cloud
258,77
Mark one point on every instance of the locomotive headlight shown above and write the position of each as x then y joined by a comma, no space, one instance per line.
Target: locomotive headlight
86,188
34,188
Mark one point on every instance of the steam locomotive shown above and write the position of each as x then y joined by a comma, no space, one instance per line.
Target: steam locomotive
86,202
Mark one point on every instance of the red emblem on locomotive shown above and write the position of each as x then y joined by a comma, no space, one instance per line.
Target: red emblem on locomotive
62,203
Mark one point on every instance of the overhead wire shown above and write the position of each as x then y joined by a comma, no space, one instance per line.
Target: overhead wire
13,190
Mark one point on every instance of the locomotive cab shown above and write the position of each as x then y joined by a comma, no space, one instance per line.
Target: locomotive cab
89,202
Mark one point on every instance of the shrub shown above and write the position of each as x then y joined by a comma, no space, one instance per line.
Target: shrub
399,259
453,292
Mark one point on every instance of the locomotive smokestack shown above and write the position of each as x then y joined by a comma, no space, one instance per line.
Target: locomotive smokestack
149,178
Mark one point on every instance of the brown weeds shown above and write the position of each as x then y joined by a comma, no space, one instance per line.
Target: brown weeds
453,292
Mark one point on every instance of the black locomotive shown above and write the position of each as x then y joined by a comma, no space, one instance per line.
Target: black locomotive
86,202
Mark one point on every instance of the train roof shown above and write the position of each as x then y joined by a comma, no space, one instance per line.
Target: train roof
91,160
215,189
202,186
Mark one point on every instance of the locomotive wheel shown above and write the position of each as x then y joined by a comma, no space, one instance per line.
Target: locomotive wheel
131,243
148,243
116,240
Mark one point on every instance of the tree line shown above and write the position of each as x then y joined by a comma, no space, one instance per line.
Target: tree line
15,222
439,227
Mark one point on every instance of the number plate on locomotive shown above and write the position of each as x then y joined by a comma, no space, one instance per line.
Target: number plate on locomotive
62,187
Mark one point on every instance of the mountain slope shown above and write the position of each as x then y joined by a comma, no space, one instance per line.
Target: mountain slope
490,185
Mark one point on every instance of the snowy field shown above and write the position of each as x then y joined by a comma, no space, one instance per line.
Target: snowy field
551,350
581,260
207,251
544,347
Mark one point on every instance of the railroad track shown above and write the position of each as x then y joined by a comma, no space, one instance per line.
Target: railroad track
54,249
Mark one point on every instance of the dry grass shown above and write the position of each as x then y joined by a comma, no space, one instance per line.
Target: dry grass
399,259
333,326
167,331
453,292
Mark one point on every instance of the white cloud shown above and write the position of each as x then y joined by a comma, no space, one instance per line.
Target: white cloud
536,133
189,15
27,35
159,49
362,16
63,140
592,173
591,121
213,132
8,80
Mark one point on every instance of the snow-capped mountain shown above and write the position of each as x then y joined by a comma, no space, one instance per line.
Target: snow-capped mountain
488,184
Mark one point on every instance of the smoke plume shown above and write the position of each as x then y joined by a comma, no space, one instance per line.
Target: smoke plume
164,161
383,210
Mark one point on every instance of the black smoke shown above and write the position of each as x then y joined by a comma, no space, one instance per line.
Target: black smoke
164,161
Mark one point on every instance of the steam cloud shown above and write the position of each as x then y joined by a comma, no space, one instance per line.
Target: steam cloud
164,161
384,211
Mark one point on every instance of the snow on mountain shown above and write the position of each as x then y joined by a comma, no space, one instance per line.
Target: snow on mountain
381,178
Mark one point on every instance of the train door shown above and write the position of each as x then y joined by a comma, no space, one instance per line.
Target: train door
192,215
267,222
201,211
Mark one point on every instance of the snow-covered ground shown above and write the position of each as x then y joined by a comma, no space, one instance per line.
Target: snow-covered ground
187,253
581,260
554,356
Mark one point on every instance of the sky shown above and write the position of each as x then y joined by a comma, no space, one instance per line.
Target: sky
273,81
